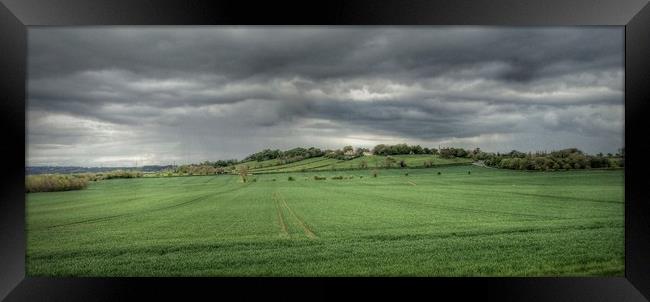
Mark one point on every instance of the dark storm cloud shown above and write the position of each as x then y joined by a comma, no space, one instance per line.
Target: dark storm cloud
226,91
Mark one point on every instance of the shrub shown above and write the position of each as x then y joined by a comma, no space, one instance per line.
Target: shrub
428,163
402,164
406,174
54,182
316,177
337,177
122,174
363,164
389,161
291,178
439,173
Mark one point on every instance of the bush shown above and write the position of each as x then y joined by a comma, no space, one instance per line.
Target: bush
54,182
363,164
122,174
290,178
337,177
406,174
402,164
316,177
439,173
566,159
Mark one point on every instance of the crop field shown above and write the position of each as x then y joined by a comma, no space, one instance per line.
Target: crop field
326,164
377,161
442,221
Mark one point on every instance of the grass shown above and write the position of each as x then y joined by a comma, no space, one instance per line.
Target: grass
488,223
372,161
413,161
296,166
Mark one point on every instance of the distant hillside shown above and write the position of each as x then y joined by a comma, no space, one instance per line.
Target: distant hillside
363,162
71,169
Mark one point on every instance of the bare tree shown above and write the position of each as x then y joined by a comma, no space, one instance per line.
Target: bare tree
243,172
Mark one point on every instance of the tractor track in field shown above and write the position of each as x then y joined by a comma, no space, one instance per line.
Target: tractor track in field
280,201
185,203
283,225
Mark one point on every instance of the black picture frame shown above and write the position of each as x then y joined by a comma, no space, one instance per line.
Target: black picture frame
15,15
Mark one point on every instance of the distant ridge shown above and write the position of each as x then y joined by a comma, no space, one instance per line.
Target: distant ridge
72,169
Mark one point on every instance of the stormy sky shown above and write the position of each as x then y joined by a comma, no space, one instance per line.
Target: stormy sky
121,96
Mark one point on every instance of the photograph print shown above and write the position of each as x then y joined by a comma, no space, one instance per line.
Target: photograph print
437,151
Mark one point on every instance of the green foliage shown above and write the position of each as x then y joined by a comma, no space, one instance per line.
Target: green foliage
67,182
400,149
121,174
566,159
287,156
221,163
201,169
54,182
363,164
453,152
402,164
290,178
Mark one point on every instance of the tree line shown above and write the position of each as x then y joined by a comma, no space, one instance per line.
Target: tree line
566,159
67,182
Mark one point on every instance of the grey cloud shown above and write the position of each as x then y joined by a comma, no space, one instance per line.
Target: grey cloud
189,93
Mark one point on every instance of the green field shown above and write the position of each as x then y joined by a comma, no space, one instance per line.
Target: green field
488,223
327,164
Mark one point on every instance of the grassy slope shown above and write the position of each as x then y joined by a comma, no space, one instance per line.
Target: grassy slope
296,166
492,222
375,161
325,164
